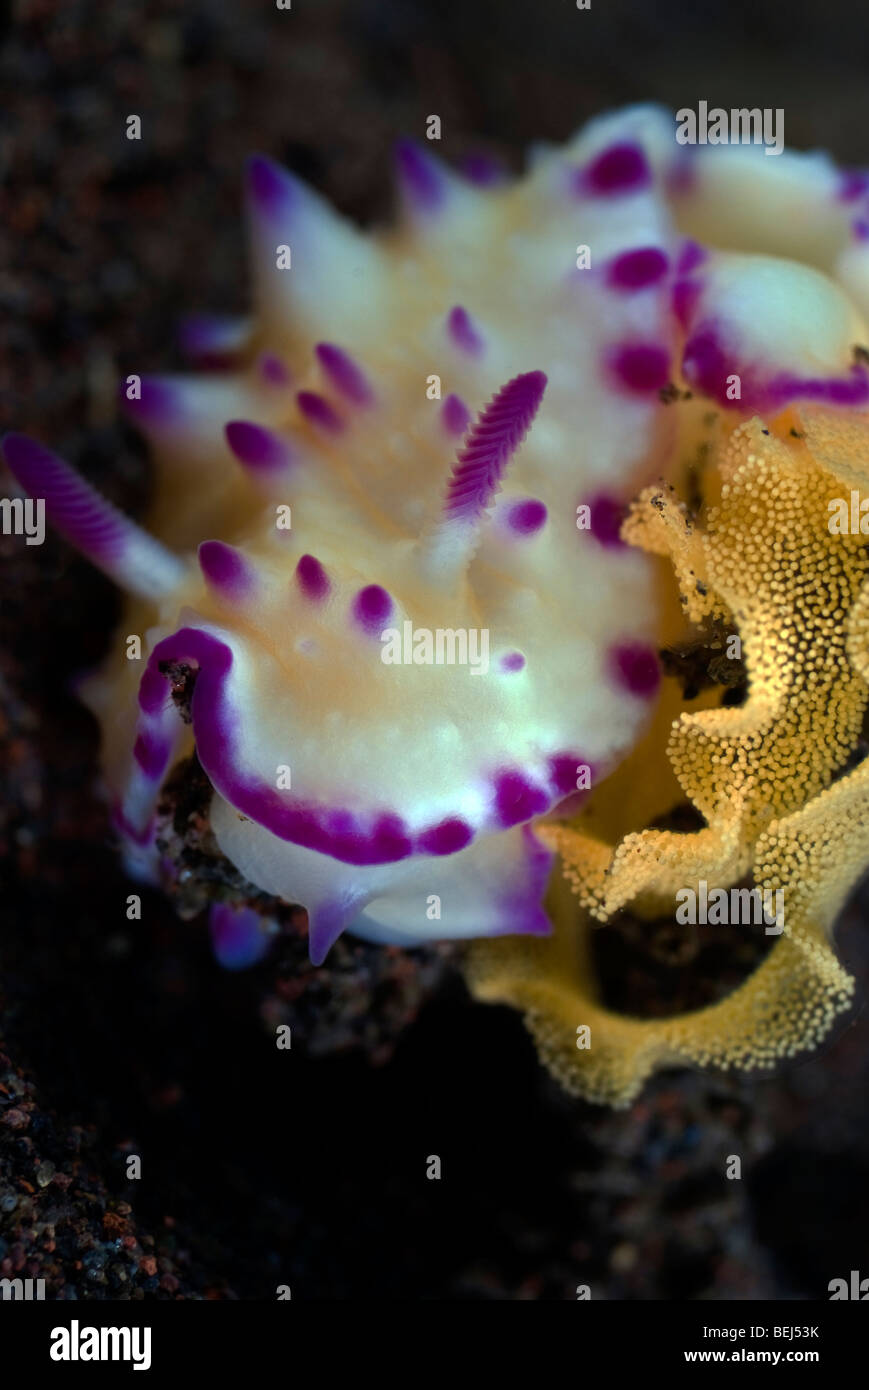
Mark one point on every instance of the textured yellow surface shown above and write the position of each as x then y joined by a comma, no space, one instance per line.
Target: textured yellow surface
767,776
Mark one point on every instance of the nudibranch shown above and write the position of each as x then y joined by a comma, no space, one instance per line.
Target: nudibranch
462,435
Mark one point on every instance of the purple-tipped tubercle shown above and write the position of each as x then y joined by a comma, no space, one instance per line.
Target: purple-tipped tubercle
422,182
372,607
319,412
464,332
226,569
272,190
344,374
312,578
256,447
455,415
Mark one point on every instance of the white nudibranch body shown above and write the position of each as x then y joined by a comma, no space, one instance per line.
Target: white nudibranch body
417,450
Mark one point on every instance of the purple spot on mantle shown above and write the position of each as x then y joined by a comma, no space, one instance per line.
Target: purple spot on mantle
455,415
255,446
421,180
606,514
312,578
372,607
517,799
464,332
564,770
621,168
225,568
634,666
691,256
686,294
513,661
343,373
238,937
641,367
446,838
636,270
527,516
319,411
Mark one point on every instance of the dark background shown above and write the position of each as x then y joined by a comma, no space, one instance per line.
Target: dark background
263,1168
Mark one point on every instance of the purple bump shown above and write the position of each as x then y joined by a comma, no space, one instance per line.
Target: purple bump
312,578
686,295
421,180
159,404
344,374
621,168
860,229
372,607
225,568
517,799
210,340
238,937
634,667
318,410
606,514
513,661
852,185
455,415
463,331
691,256
636,270
564,769
527,517
446,838
272,190
641,367
273,370
482,169
255,446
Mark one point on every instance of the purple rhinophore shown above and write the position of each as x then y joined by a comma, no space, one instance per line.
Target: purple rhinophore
641,367
448,837
634,667
312,578
318,410
513,661
422,182
606,514
272,190
455,415
527,517
491,443
517,799
622,168
372,607
78,511
464,332
344,374
636,270
257,447
226,569
238,935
